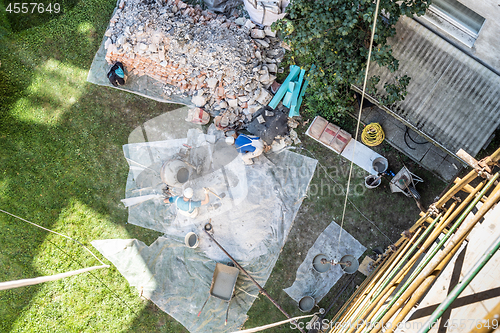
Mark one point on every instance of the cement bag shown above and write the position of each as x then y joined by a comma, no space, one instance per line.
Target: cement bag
266,12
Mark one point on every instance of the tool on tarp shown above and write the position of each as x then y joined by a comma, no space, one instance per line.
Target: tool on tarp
208,229
218,196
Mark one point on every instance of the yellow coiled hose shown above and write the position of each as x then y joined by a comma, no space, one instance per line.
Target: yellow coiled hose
372,134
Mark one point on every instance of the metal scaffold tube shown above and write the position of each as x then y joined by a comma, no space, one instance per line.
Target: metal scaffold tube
425,250
424,267
452,296
422,289
457,187
388,279
374,276
389,266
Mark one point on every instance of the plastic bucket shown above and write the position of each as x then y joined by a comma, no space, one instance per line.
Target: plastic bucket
380,164
318,266
191,240
306,303
353,261
369,181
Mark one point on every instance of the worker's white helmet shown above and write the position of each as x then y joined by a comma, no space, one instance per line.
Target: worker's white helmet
188,193
230,140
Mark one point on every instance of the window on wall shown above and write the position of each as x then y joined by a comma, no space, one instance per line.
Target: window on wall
455,19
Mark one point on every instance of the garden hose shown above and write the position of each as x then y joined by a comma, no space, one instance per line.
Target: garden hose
372,134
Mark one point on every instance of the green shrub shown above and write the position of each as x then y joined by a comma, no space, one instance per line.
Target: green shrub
335,36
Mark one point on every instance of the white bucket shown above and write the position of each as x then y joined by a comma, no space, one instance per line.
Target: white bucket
380,164
306,303
191,240
174,173
369,181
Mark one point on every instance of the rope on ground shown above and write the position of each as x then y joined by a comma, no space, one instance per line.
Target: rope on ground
350,201
71,258
265,327
39,226
375,14
372,135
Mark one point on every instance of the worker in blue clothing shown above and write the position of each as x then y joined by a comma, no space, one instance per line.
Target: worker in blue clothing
185,205
248,146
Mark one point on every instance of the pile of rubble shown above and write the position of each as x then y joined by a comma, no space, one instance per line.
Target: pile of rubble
226,65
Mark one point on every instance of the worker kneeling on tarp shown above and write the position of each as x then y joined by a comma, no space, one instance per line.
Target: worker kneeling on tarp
185,205
248,146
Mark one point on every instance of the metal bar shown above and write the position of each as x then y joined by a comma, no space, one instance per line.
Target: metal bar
405,292
395,266
457,187
262,290
422,289
453,295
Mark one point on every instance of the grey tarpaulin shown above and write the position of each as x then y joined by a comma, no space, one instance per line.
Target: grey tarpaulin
170,125
252,222
308,282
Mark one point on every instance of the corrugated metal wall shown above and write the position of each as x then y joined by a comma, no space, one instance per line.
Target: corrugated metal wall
451,97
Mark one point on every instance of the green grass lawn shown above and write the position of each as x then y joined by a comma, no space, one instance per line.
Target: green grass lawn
62,166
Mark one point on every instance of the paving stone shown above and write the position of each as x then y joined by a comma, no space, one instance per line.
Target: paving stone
373,115
396,137
448,169
432,161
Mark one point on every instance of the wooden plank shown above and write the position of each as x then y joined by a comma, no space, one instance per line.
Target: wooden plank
293,106
303,90
294,71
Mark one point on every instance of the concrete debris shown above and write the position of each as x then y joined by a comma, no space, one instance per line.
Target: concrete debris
263,96
269,32
295,137
199,100
257,33
198,53
292,123
249,24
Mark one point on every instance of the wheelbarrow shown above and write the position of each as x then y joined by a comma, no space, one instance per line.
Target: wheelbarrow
223,284
404,181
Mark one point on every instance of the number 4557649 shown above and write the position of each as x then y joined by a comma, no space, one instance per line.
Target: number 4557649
33,7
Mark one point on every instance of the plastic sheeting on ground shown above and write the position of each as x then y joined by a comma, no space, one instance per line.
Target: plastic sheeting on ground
251,221
309,282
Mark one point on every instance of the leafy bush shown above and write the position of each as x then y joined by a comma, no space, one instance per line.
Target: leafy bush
335,36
